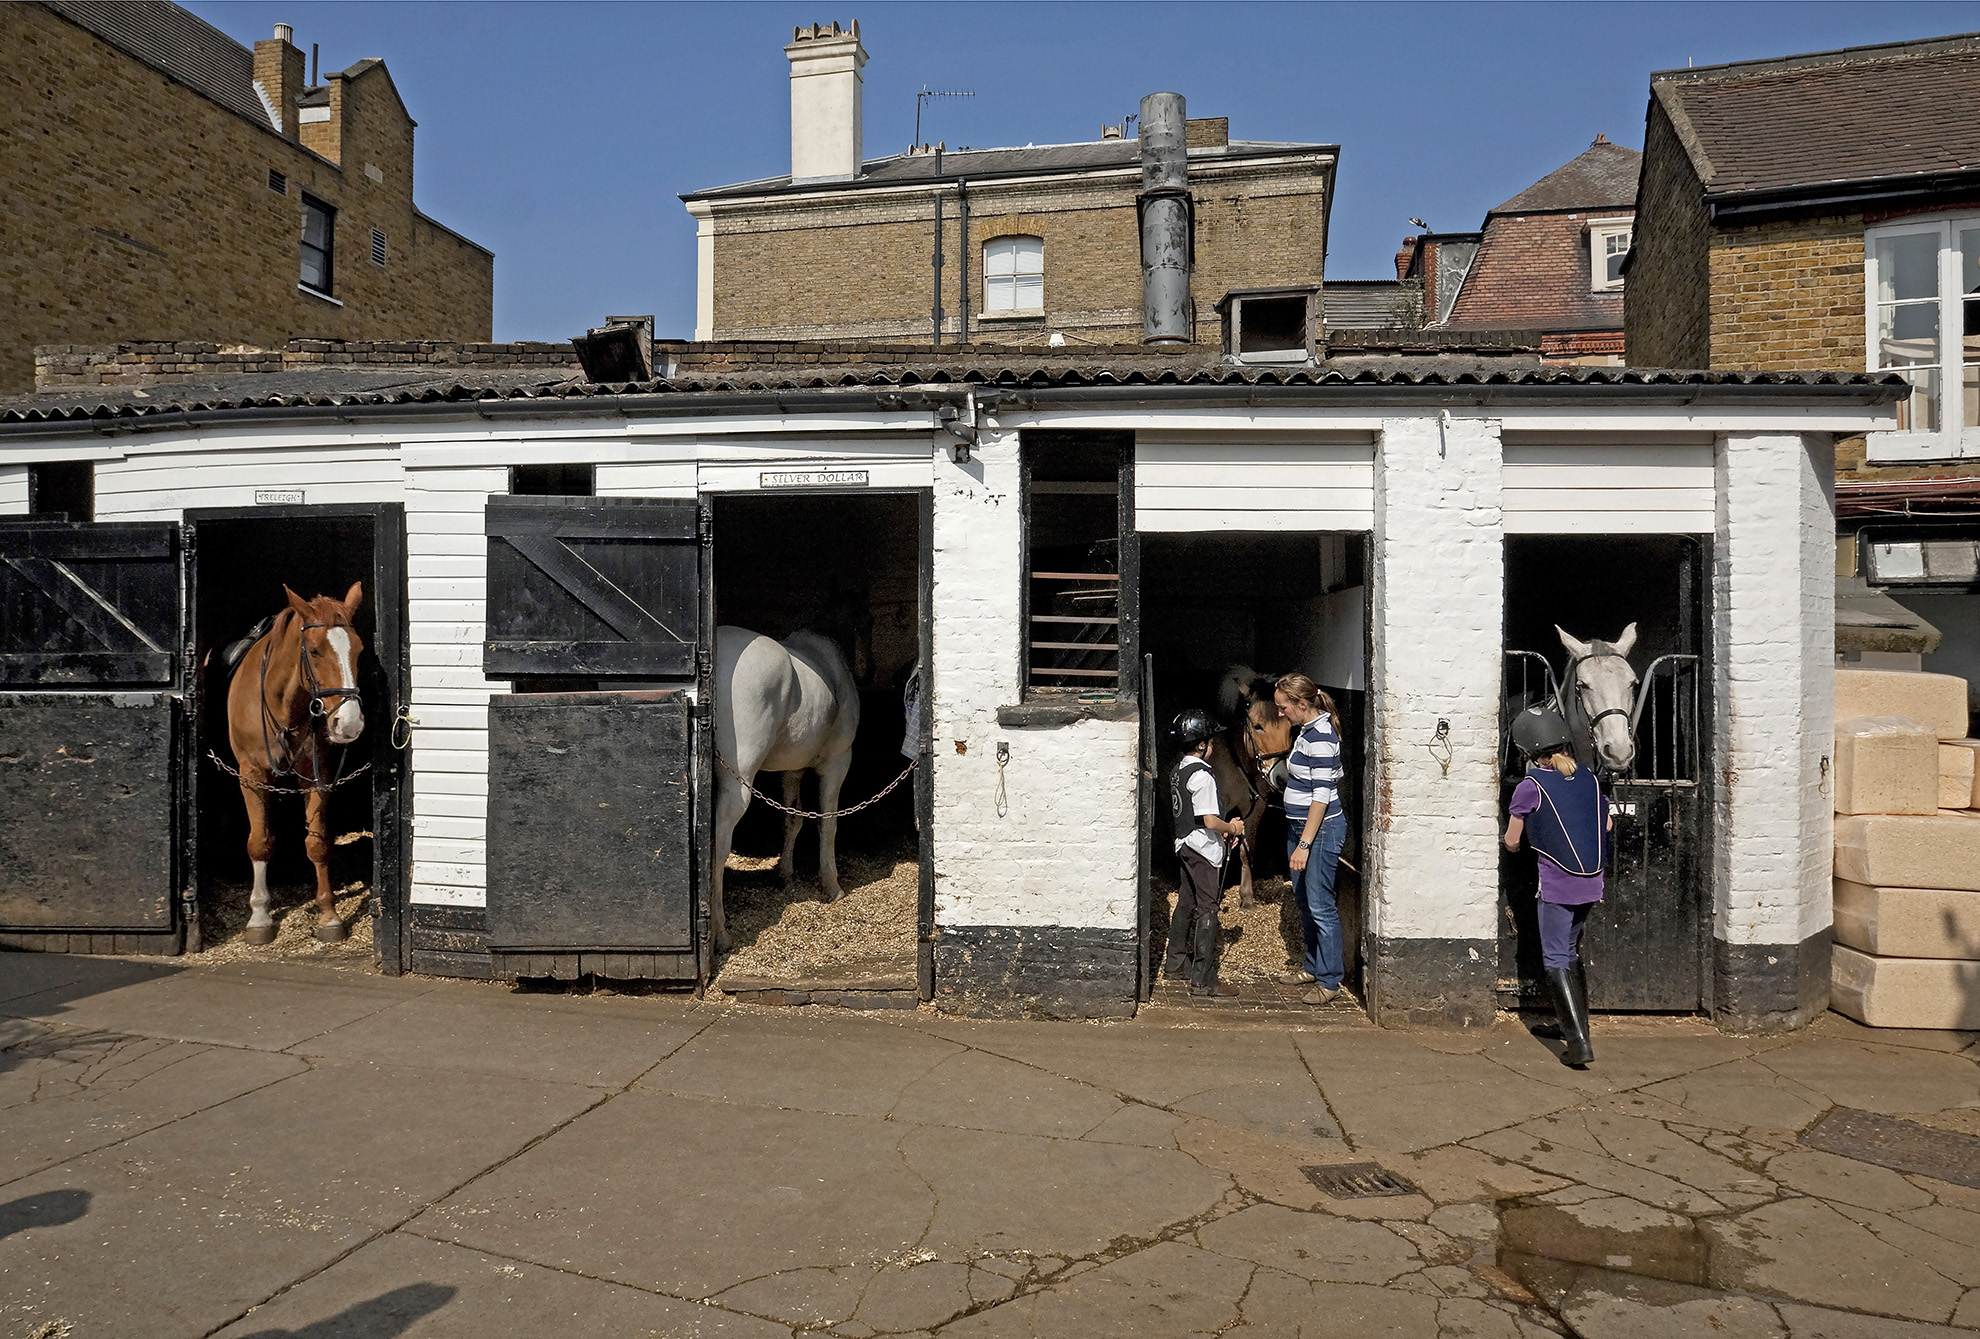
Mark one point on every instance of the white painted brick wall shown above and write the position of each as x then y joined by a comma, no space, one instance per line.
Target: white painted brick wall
1439,591
1775,685
1065,851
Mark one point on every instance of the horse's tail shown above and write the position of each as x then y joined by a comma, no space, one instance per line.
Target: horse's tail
1232,690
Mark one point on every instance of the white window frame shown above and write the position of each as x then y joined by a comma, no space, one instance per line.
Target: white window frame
1599,233
1951,440
1001,291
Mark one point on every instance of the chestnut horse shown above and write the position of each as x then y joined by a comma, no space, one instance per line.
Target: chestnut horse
293,700
1258,738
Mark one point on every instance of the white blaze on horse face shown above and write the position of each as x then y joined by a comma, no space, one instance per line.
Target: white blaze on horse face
347,721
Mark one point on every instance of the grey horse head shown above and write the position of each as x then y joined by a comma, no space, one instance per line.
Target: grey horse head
1601,689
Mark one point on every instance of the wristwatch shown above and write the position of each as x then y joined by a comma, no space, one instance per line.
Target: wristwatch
1305,846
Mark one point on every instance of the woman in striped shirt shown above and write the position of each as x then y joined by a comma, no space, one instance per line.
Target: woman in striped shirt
1315,830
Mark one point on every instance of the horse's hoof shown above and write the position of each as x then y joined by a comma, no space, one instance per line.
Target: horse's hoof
332,932
258,934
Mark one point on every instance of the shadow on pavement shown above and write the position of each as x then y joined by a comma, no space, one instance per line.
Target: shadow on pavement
51,1208
382,1317
33,983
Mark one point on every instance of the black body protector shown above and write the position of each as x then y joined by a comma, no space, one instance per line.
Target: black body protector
1189,729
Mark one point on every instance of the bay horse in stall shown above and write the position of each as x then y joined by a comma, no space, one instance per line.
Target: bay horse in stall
291,705
1257,738
790,707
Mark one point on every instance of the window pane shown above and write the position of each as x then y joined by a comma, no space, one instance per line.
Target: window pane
1618,250
998,293
1970,393
314,272
1921,412
999,258
1908,334
1030,293
316,227
1969,260
1907,267
1029,255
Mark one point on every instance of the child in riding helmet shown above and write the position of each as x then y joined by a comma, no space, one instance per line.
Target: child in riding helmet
1200,831
1560,809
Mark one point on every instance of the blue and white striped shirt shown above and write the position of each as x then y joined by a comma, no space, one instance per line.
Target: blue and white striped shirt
1313,772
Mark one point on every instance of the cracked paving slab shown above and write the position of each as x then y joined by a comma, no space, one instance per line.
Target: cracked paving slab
139,1261
310,1144
1391,1091
771,1059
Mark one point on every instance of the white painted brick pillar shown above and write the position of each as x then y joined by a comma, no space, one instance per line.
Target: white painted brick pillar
1036,862
1774,690
1438,626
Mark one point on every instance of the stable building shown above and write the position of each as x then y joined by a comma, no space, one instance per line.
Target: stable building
1066,550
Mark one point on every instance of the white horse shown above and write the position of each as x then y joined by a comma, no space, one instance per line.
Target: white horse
1598,697
790,707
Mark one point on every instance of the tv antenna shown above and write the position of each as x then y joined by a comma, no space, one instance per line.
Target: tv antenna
927,93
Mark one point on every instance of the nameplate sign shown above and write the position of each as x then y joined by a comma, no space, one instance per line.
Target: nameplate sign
812,479
278,497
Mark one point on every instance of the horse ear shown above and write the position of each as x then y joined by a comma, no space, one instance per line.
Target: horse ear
297,602
353,598
1626,641
1575,647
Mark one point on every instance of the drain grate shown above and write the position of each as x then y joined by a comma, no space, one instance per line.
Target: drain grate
1901,1145
1357,1180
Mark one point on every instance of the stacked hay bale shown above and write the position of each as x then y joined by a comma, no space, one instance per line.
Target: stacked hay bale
1907,863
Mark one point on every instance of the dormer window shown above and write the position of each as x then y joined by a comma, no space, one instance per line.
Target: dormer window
1608,246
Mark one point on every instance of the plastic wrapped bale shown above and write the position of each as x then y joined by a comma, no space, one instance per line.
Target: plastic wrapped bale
1936,701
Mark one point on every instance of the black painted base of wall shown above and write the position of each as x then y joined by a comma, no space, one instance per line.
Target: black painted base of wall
1035,971
1770,987
155,944
1450,983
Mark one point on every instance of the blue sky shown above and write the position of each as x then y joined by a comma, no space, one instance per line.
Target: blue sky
560,134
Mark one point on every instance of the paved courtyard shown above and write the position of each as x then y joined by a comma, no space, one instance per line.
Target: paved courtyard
293,1150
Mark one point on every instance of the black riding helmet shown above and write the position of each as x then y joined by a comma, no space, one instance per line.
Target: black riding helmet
1192,727
1539,731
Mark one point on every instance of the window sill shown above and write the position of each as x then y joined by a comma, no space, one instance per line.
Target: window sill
1916,448
319,296
1034,314
1056,708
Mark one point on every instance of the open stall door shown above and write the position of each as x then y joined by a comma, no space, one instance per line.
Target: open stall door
89,724
1647,944
237,560
590,808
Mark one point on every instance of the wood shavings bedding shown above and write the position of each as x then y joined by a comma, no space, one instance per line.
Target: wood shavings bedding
793,935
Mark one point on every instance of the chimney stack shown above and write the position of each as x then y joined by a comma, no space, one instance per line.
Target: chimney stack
1168,222
278,77
825,102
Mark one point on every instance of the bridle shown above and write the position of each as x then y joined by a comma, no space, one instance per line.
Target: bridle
318,696
1562,696
1260,761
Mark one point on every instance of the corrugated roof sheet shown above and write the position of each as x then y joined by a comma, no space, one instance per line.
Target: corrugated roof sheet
1042,158
1603,176
176,42
319,388
1858,114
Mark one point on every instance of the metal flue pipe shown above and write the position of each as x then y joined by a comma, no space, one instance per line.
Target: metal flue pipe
1166,220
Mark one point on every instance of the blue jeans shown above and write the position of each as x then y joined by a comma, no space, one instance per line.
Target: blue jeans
1313,888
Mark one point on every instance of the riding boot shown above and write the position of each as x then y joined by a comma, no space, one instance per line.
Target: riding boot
1203,964
1176,964
1573,1016
1578,979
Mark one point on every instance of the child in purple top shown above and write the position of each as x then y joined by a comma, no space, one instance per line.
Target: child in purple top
1562,812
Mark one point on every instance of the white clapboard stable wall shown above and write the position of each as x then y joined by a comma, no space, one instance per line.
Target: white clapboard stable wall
1287,479
1567,484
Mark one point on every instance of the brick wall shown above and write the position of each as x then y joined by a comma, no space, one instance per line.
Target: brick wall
169,362
139,209
856,265
1789,296
1668,295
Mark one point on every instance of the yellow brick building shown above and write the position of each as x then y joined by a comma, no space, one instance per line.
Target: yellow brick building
163,182
1034,243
